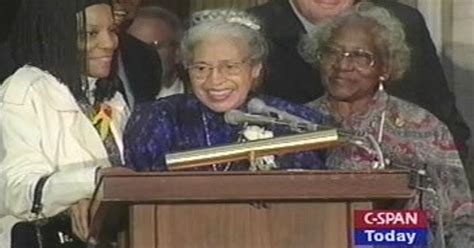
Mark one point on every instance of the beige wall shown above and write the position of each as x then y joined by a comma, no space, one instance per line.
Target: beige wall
451,23
461,59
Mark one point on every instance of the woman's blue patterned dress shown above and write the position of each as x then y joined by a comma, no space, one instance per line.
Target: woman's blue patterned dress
182,122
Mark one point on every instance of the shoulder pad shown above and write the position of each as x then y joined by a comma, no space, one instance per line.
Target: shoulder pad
16,87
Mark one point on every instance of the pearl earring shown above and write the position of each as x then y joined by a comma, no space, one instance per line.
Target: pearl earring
381,87
382,78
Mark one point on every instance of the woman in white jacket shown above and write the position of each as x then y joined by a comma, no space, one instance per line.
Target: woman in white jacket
61,118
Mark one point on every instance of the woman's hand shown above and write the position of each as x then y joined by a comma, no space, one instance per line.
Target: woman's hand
80,219
117,170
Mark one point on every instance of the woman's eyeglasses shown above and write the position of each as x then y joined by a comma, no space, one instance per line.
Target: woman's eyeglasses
202,70
360,58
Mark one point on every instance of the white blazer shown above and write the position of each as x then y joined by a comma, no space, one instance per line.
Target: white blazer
43,131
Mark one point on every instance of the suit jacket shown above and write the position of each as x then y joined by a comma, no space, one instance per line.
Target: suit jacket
290,77
8,12
142,67
43,131
6,62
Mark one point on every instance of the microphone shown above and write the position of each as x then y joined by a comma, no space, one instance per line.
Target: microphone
236,117
257,106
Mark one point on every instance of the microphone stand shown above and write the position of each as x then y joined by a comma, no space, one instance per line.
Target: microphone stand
299,125
357,139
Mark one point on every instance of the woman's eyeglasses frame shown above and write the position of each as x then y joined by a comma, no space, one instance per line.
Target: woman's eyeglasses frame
359,58
202,70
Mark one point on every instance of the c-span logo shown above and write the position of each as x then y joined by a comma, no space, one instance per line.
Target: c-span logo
390,227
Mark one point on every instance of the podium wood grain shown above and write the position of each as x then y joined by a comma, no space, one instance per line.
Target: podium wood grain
227,210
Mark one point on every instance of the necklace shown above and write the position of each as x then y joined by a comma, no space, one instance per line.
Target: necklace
215,167
342,119
377,129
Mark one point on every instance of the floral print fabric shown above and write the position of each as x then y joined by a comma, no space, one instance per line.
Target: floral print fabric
412,138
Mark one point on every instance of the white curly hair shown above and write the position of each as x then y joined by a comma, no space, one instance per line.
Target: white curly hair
232,23
386,30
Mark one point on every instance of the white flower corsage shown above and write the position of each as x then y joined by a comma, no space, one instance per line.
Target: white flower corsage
264,163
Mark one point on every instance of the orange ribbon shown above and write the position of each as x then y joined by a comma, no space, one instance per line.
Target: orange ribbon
102,120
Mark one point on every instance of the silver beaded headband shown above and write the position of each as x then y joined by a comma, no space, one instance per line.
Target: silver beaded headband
230,16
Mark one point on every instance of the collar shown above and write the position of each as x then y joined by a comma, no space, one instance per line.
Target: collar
90,89
379,104
307,25
91,81
177,87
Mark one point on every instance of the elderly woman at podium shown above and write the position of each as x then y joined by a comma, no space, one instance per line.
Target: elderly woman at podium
358,53
224,53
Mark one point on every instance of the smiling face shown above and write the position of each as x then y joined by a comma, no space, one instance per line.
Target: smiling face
317,10
343,78
221,74
101,40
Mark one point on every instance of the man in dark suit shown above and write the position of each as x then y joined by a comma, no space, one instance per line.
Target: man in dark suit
7,15
7,66
162,29
138,64
290,77
139,68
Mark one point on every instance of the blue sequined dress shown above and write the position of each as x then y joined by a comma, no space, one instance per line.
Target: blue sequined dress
182,122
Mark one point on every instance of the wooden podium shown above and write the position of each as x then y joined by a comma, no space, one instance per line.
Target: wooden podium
239,209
